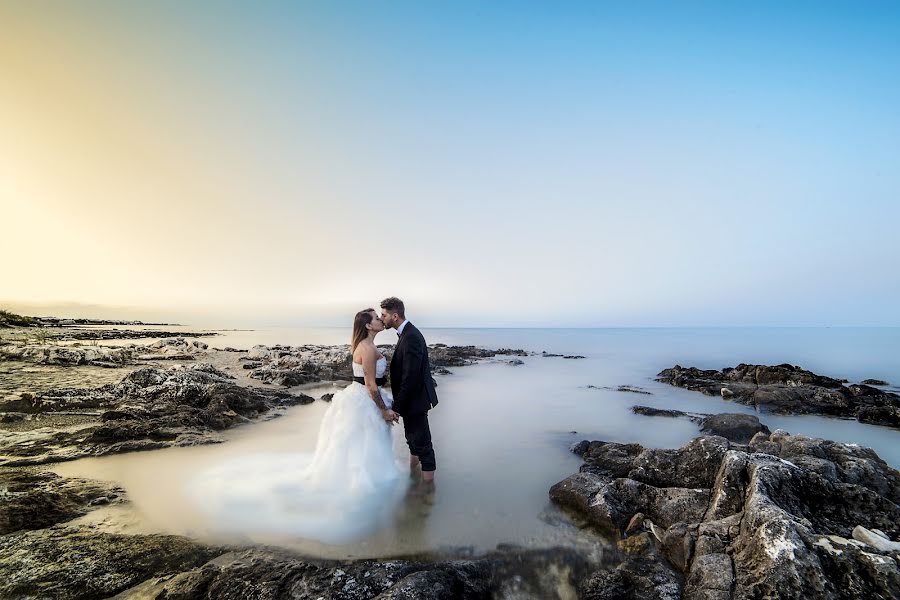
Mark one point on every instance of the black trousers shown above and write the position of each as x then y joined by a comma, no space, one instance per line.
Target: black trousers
418,438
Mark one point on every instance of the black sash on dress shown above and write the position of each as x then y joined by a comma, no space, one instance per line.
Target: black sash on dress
378,381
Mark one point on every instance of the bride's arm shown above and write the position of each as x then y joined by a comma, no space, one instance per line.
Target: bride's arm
368,361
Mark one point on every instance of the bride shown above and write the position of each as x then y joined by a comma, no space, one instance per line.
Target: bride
349,485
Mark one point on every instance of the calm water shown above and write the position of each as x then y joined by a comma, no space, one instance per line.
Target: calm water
502,432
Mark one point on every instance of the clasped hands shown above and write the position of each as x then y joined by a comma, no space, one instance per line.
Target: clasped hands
390,416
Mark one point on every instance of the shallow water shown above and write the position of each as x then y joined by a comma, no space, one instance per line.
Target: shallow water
502,432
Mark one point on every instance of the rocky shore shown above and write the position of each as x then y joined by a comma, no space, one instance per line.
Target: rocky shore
785,516
44,554
788,389
297,365
738,513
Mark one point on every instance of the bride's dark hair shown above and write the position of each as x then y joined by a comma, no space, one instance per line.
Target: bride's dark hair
362,318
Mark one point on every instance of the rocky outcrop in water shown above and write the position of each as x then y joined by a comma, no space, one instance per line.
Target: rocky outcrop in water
736,427
512,573
68,562
78,562
772,519
442,355
296,365
175,348
787,389
67,355
31,500
149,408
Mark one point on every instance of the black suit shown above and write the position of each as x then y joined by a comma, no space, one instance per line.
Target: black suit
414,393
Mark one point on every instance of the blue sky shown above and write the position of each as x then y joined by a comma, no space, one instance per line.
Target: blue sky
566,164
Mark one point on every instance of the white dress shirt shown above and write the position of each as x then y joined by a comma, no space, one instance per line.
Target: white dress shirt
400,329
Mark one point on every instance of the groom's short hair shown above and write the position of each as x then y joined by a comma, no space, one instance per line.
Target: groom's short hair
394,305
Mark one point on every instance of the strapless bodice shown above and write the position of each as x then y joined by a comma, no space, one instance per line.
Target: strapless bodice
380,368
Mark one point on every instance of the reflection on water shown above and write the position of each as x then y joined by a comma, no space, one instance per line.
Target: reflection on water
502,432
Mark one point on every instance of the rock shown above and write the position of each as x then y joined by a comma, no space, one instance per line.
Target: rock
79,563
441,355
874,382
326,397
296,365
880,542
735,427
623,388
515,362
150,408
649,411
64,561
67,355
787,389
741,524
638,578
37,500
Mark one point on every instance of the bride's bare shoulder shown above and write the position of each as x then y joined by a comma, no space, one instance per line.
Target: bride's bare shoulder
365,351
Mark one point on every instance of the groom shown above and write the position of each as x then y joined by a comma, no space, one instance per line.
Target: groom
411,385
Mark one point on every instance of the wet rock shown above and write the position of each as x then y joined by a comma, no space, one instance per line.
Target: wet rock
36,500
441,355
649,411
150,408
879,541
326,397
736,427
258,573
772,524
12,417
640,578
66,355
66,563
874,382
296,365
633,389
788,389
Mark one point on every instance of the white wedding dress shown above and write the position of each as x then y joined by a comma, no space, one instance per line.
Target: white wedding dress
343,492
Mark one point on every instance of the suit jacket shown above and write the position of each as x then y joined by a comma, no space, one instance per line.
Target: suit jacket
411,382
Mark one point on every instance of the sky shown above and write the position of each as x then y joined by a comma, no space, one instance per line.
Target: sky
491,163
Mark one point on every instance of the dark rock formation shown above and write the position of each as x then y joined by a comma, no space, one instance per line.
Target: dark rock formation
38,500
150,408
874,382
736,427
296,365
172,348
633,389
770,520
65,563
441,355
786,389
77,562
